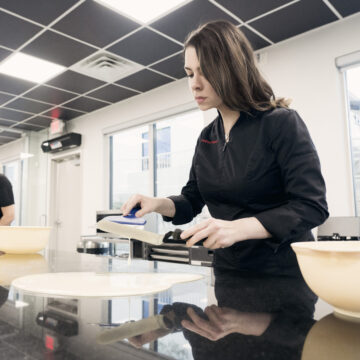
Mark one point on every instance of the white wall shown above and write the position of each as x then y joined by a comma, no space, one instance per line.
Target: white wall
35,182
12,150
303,69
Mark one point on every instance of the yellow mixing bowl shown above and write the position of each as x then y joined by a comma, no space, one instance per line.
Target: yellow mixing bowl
332,271
23,239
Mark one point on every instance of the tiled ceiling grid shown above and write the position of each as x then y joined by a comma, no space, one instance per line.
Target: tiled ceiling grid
68,31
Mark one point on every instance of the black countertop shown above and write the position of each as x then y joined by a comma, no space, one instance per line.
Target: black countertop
235,316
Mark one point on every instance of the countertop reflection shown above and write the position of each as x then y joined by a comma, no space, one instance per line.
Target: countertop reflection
224,316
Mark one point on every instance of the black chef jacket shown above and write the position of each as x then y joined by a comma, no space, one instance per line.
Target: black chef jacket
6,193
270,170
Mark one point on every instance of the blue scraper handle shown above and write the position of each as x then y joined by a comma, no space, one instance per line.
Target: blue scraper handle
129,219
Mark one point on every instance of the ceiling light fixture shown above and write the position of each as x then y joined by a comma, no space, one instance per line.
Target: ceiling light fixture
30,68
143,11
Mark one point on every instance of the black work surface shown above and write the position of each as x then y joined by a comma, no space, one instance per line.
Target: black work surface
297,329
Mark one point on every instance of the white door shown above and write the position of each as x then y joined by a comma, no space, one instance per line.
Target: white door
66,203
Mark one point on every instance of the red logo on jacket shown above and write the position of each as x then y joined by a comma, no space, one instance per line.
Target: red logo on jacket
209,142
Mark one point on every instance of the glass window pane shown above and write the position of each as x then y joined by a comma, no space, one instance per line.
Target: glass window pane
175,144
353,92
129,165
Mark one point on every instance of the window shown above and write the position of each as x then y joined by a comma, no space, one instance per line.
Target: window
153,160
352,80
127,175
163,144
145,151
163,147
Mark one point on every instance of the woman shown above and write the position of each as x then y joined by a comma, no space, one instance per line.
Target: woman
254,166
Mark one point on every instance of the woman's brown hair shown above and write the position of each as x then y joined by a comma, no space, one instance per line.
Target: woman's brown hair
227,61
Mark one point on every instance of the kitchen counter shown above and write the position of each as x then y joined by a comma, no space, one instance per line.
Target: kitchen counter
247,316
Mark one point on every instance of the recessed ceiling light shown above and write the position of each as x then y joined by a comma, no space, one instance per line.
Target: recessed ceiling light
143,11
30,68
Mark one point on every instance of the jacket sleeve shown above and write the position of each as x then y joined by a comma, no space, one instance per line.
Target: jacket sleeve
6,193
190,202
297,158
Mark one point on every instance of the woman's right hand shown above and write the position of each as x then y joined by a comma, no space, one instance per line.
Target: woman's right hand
147,205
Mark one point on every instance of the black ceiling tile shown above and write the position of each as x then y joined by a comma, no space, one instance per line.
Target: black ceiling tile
63,113
95,24
173,66
145,47
49,95
14,85
4,54
4,98
40,121
9,114
26,126
41,11
5,140
347,7
86,104
144,80
294,19
112,93
11,134
6,122
73,81
14,31
246,10
188,17
58,49
256,41
28,105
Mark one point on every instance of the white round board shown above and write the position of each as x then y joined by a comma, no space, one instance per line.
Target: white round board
100,285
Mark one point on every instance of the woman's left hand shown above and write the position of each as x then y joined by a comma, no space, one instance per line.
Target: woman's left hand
223,233
219,233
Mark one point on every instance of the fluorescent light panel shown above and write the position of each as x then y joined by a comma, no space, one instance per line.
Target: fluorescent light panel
143,11
30,68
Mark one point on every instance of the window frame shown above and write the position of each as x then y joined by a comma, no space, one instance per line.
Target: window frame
343,68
